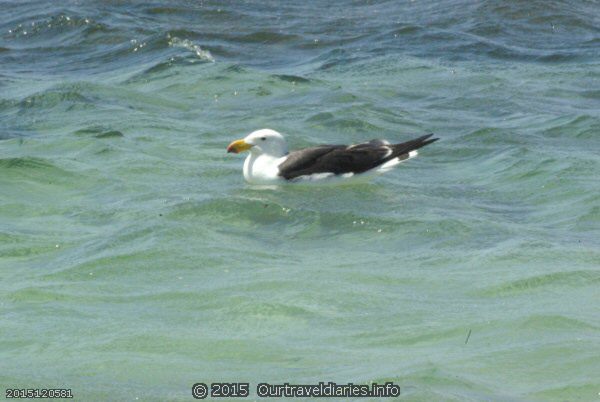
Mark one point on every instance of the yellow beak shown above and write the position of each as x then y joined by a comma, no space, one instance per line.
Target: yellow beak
238,146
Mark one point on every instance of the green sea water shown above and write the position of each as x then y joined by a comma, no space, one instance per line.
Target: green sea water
135,261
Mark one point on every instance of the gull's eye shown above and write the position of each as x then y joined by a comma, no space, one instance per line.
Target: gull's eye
263,138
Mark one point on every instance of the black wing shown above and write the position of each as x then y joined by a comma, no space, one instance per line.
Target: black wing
340,159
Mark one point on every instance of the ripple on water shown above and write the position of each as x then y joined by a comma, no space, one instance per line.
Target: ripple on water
582,126
99,132
63,98
574,279
348,125
40,173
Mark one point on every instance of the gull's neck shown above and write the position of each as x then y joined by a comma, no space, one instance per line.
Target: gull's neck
261,167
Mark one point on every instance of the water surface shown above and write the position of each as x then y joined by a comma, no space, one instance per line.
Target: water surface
135,261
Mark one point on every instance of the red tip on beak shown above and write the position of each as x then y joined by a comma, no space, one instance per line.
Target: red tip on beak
238,146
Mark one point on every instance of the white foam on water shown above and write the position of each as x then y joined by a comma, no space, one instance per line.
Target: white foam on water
191,46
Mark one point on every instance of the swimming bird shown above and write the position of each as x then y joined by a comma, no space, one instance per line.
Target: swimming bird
269,161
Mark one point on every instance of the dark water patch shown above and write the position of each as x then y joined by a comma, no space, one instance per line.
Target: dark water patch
534,17
231,210
98,132
556,322
452,32
167,10
591,94
65,97
119,262
294,79
439,384
168,52
557,57
266,37
190,299
36,295
590,220
336,58
572,279
159,68
548,32
236,69
43,24
229,40
408,338
92,50
497,50
298,221
8,134
104,151
397,37
234,212
192,12
69,30
261,91
257,310
24,246
404,30
330,121
26,163
467,33
582,126
564,392
102,97
319,117
492,136
31,171
109,134
189,34
123,53
527,170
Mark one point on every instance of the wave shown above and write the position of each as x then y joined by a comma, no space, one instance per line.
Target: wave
571,278
26,163
99,132
191,46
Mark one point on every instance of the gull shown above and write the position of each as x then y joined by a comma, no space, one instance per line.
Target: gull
270,162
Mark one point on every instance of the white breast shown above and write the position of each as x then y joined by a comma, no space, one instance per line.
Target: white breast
262,169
